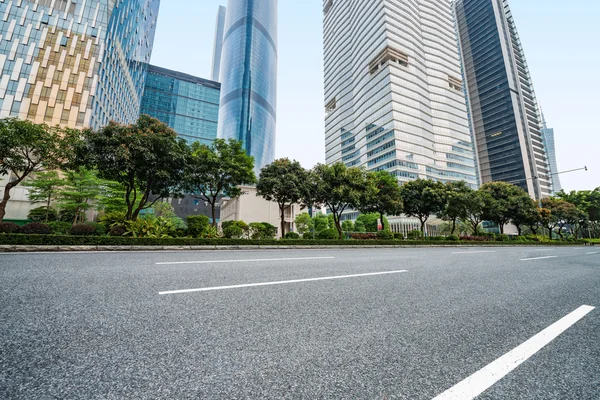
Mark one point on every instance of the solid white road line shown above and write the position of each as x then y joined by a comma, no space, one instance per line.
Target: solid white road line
483,379
279,282
474,252
538,258
594,252
249,260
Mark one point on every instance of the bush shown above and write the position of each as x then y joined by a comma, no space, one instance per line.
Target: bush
60,227
414,235
435,238
82,230
385,235
399,236
452,238
502,238
69,216
476,238
9,227
522,239
39,214
363,236
117,230
197,225
328,234
112,218
292,235
262,231
99,229
35,228
235,229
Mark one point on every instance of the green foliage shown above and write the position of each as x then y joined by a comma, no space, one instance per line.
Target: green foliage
502,238
292,235
455,209
414,235
328,234
78,191
112,218
476,203
423,198
304,223
283,182
35,228
385,235
452,238
217,170
82,229
42,189
99,229
235,229
381,195
60,227
321,222
262,231
69,216
117,230
42,214
9,227
369,221
156,228
504,203
197,225
347,226
359,226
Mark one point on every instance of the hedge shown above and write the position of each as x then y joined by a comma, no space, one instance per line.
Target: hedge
64,240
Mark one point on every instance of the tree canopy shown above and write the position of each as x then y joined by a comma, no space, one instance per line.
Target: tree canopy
381,195
423,198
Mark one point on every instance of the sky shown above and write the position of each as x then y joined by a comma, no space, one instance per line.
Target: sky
561,42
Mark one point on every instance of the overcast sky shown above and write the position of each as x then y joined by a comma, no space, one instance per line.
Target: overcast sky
561,41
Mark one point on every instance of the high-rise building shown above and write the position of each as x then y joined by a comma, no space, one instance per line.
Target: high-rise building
76,63
548,138
249,77
188,104
218,44
394,95
504,111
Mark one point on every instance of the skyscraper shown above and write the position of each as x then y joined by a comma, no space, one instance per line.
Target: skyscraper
505,117
249,77
77,63
393,90
218,44
548,138
188,104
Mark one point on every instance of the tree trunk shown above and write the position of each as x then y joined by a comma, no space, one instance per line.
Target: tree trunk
282,222
382,221
213,210
338,226
550,232
519,230
423,221
501,228
6,198
453,226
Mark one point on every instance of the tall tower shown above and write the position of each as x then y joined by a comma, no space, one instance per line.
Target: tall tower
549,145
394,95
218,44
506,120
249,78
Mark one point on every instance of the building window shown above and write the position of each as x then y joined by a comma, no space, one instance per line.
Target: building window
389,55
327,6
329,107
455,83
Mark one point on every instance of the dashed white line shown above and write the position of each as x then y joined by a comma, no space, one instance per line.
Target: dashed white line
538,258
248,260
473,252
483,379
208,289
593,252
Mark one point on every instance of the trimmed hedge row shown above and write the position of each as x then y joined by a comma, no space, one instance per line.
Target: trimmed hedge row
64,240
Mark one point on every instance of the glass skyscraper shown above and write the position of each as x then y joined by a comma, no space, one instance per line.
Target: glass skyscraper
188,104
394,95
77,63
215,73
505,117
548,138
249,77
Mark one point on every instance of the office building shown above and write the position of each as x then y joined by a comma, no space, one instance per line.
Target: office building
218,44
74,63
548,139
504,111
249,78
393,90
188,104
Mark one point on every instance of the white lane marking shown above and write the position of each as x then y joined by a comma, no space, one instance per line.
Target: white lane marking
474,252
248,260
594,252
486,377
538,258
279,282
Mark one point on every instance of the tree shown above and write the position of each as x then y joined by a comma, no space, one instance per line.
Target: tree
554,213
43,187
475,208
347,226
456,203
502,202
283,182
381,195
78,190
423,198
337,187
218,170
524,211
369,221
304,223
146,158
26,148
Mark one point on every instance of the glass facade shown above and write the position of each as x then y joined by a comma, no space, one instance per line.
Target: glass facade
503,107
188,104
394,96
249,77
548,137
215,73
75,63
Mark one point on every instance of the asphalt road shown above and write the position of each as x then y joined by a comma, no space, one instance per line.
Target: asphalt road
109,326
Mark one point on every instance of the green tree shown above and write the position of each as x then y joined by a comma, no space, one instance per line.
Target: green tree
523,211
146,158
304,223
78,191
283,182
369,221
382,195
423,198
359,227
455,209
475,208
502,203
347,226
554,214
321,222
26,148
43,188
337,187
218,170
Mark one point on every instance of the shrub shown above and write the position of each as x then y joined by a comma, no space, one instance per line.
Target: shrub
69,216
399,236
197,225
99,229
452,238
151,228
9,227
117,230
385,235
414,235
476,238
435,238
262,231
363,236
60,227
35,228
521,239
292,235
39,214
328,234
82,230
112,218
502,238
235,229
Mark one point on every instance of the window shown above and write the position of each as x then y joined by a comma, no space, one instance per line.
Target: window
329,107
327,6
455,83
388,55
